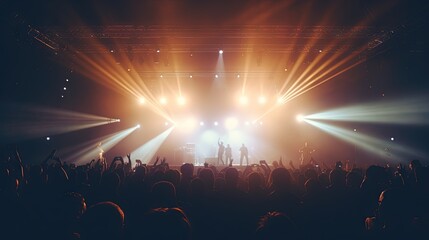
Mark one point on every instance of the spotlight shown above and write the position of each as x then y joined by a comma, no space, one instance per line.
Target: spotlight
111,50
190,76
138,126
67,79
221,51
280,100
48,138
181,100
201,123
142,100
157,50
355,130
238,75
262,100
216,76
65,88
163,100
161,76
300,118
392,139
118,120
243,100
216,123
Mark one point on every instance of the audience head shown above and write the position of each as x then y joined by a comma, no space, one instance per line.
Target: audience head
187,170
164,194
231,177
166,224
103,220
276,225
208,178
280,178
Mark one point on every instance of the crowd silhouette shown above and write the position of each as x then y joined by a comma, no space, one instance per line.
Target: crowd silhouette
130,200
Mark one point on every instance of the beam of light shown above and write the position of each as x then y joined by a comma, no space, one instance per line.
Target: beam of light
147,151
26,122
93,149
407,111
113,71
378,147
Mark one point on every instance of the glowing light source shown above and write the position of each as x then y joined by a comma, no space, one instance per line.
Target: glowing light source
238,75
201,123
262,100
216,123
216,76
138,126
220,51
300,118
163,100
142,100
280,100
243,100
231,123
392,139
247,123
181,100
48,138
65,88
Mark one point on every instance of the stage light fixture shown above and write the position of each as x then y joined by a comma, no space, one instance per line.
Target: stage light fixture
190,76
280,100
300,118
142,100
138,126
392,139
65,88
238,75
243,100
163,100
48,138
67,79
220,51
216,76
181,100
262,100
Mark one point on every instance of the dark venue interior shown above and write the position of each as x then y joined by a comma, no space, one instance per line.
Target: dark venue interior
201,119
